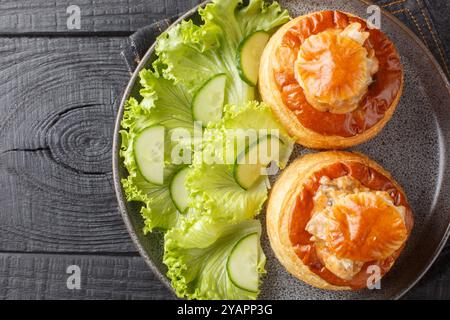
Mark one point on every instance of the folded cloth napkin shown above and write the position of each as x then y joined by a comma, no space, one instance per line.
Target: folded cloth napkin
428,19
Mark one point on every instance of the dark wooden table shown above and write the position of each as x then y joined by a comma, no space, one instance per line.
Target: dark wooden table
58,91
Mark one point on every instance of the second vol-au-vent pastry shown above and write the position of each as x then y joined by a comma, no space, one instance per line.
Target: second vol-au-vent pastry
330,79
332,216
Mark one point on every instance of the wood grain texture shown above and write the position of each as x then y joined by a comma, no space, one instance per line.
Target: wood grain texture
57,114
32,276
29,17
43,276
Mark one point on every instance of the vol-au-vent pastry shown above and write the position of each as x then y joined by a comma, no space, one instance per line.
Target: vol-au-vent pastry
330,79
333,215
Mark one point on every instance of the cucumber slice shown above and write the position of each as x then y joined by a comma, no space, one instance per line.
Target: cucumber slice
178,191
242,263
250,164
207,103
149,154
249,56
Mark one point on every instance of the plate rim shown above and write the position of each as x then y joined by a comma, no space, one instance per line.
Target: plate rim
117,143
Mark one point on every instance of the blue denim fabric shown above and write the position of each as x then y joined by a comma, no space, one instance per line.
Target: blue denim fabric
429,20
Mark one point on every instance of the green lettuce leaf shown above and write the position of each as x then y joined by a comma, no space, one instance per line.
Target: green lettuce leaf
214,191
192,54
196,253
199,242
164,104
158,209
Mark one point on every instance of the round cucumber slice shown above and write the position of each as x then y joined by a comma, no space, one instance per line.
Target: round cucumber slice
242,263
249,56
149,154
207,103
178,191
251,163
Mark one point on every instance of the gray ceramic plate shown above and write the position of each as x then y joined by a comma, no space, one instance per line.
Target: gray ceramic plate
413,147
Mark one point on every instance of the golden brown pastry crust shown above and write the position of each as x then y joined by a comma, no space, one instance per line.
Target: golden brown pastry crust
271,95
280,208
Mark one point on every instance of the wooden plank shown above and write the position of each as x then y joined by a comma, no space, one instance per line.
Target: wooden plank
31,276
57,114
44,276
110,16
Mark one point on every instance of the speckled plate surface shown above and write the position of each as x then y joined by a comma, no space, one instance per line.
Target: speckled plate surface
413,147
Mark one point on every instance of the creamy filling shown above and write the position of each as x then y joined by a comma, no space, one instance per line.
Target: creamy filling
324,224
335,70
